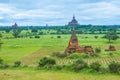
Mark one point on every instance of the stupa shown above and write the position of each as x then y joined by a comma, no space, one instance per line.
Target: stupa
73,45
73,22
15,25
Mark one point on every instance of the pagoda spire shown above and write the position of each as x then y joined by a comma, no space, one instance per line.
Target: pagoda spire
15,25
73,45
73,22
73,16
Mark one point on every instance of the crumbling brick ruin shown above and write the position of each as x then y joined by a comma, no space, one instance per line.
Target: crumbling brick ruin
88,49
74,46
111,48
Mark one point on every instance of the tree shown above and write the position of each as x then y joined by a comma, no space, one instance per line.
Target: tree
7,30
111,36
34,30
16,32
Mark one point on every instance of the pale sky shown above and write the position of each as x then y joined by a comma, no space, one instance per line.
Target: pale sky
59,12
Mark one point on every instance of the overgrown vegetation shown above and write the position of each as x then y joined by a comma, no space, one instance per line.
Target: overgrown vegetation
79,65
46,62
114,67
3,65
95,66
17,64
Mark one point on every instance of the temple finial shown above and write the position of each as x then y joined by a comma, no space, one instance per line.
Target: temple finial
73,16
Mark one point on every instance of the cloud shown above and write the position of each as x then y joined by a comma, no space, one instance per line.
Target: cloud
4,8
101,10
38,13
60,12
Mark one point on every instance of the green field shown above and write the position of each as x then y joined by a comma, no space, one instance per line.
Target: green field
52,75
29,51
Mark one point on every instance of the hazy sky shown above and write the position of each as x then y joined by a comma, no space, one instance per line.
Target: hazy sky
59,12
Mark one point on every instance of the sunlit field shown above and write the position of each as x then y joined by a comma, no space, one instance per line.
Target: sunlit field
30,50
33,49
53,75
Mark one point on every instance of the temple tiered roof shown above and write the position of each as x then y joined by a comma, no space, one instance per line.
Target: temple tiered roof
74,22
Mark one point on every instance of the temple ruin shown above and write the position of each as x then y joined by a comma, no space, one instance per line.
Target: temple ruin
73,22
73,45
15,25
111,48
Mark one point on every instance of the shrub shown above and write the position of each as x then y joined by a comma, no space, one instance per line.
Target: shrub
58,36
95,37
17,64
37,36
1,61
114,67
86,37
40,33
95,66
97,50
30,37
86,56
46,61
1,65
103,70
111,54
4,66
79,65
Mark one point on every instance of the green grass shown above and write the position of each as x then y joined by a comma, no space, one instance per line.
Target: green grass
29,51
52,75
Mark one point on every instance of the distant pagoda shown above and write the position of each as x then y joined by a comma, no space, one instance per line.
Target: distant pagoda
73,45
74,22
15,25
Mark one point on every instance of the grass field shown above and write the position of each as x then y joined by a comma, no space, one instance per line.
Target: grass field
26,48
29,51
52,75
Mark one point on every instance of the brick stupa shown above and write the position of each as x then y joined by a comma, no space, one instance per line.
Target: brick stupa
73,45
